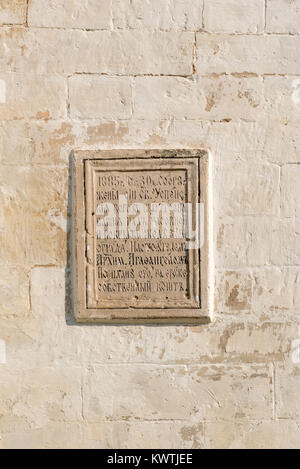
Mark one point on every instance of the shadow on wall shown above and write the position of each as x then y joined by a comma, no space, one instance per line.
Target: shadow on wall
69,290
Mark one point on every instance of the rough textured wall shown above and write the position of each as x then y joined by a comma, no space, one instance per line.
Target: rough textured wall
95,74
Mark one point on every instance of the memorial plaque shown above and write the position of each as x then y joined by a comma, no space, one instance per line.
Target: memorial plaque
143,233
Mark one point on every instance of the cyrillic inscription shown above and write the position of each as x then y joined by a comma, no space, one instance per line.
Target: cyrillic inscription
143,232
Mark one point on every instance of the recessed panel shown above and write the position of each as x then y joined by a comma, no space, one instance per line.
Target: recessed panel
140,228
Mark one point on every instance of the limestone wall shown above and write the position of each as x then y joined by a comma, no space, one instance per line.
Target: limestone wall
102,74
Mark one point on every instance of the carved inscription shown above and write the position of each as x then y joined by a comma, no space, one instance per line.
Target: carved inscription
142,255
141,268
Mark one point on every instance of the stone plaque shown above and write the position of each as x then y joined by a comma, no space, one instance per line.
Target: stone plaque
143,234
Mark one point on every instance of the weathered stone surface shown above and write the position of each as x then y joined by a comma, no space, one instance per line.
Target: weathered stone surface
286,243
244,54
234,292
51,141
14,290
155,14
47,287
123,435
33,96
246,241
287,379
275,434
121,52
266,341
141,344
12,12
290,190
248,190
38,397
145,435
283,16
88,14
282,100
281,142
58,343
231,142
239,16
46,142
213,392
102,97
230,87
274,289
33,201
54,435
213,98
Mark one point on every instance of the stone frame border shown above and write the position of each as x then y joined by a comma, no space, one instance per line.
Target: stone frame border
199,315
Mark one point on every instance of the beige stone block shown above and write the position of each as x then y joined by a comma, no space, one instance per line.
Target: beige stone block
11,424
283,16
47,288
297,291
16,150
39,142
213,98
274,289
103,97
168,345
29,344
248,189
14,291
234,292
104,435
149,134
247,54
236,141
177,392
290,202
133,344
61,51
145,435
154,53
272,434
12,12
155,14
252,342
237,16
286,243
53,435
287,380
30,96
242,242
281,142
110,134
34,201
87,14
230,142
45,339
282,100
41,395
181,345
48,142
132,133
